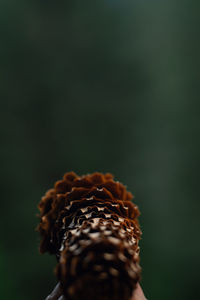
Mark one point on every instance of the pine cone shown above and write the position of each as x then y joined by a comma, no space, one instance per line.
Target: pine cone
91,225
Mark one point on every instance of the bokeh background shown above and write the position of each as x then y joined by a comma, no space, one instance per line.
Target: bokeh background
108,86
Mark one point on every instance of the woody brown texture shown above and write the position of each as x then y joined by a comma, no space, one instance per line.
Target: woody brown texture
90,223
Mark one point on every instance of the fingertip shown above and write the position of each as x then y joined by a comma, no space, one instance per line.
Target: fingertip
138,293
55,294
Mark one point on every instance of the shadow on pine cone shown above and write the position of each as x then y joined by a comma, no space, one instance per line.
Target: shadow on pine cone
90,224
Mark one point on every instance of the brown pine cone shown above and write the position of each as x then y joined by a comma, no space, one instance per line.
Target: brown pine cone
91,225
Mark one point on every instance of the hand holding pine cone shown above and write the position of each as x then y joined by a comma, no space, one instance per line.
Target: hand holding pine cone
91,225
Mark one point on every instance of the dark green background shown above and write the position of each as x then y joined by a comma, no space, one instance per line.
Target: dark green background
107,86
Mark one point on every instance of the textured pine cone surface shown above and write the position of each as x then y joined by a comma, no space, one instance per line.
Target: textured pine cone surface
90,223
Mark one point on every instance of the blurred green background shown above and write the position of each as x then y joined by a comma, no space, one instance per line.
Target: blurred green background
108,86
